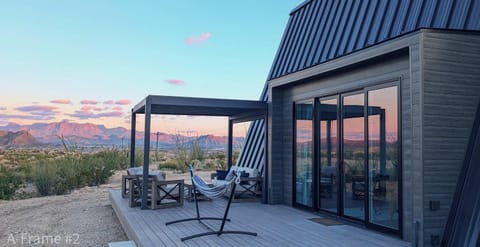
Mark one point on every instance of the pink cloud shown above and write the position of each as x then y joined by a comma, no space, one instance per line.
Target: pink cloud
3,108
61,101
110,114
6,117
89,115
87,108
88,102
175,82
123,102
35,108
198,39
36,112
108,102
117,108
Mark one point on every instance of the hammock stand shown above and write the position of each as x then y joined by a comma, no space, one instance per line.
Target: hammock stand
215,192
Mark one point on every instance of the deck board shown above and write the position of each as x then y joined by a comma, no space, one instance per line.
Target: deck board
276,225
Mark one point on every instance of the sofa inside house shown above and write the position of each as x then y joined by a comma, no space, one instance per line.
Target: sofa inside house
250,186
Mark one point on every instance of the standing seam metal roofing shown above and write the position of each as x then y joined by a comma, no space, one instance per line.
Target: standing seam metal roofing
321,30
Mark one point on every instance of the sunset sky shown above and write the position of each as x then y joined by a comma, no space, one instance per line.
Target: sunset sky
91,61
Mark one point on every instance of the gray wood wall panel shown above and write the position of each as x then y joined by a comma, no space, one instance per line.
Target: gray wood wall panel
288,156
275,143
414,164
451,91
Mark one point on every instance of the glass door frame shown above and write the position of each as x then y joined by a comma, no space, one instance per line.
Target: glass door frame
294,158
316,202
341,157
395,83
317,165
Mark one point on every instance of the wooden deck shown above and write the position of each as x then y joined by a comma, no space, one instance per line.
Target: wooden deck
276,225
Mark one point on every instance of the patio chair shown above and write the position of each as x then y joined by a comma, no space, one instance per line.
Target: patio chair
134,173
161,193
250,186
211,192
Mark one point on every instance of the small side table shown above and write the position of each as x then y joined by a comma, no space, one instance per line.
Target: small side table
189,194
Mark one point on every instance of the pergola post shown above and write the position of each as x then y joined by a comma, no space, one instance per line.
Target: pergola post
230,144
132,139
146,153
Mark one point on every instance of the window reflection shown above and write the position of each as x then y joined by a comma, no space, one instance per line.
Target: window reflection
304,152
328,154
353,156
383,158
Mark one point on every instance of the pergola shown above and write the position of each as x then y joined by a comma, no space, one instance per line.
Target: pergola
236,110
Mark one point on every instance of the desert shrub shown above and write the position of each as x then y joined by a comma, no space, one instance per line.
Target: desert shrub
76,170
10,181
209,165
196,152
44,178
169,165
172,165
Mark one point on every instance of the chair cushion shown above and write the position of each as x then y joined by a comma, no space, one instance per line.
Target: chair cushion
135,171
219,182
230,174
139,171
222,174
160,175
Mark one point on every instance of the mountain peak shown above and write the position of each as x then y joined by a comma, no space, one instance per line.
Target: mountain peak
20,138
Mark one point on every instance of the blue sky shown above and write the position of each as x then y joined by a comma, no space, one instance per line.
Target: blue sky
125,50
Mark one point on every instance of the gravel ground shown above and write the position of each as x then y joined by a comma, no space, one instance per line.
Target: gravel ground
82,218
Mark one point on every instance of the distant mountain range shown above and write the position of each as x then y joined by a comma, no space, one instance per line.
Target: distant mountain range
19,139
88,134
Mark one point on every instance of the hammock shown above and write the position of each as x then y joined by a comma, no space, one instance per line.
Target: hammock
211,192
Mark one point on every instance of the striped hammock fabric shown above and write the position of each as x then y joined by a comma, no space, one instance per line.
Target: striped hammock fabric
211,191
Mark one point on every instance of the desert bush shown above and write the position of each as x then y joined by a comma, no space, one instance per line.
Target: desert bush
76,170
44,178
169,165
196,151
10,181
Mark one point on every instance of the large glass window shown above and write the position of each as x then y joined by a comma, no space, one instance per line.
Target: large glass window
328,154
355,145
383,157
304,152
354,187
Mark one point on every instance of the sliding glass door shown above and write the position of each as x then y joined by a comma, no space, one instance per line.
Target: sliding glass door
328,186
347,155
383,157
303,152
353,155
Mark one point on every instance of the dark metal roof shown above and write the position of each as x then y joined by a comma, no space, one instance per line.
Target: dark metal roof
252,154
201,106
321,30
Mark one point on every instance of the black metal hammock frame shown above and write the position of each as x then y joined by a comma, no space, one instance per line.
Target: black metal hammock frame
198,181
